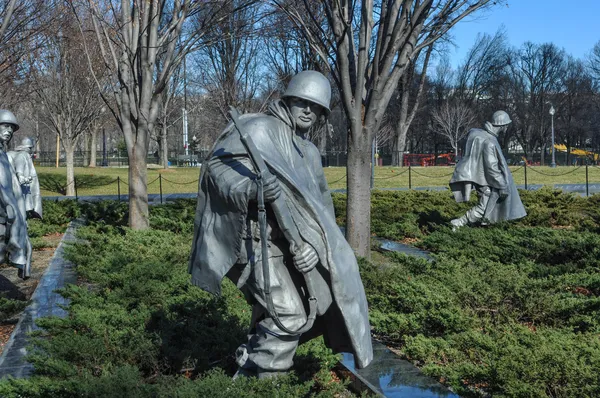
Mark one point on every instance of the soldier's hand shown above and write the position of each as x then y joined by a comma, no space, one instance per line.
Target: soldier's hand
306,260
503,194
24,180
271,189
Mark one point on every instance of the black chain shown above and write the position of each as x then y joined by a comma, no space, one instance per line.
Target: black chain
180,183
425,175
394,176
555,175
153,181
331,183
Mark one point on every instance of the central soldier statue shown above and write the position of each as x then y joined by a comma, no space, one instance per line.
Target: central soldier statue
265,219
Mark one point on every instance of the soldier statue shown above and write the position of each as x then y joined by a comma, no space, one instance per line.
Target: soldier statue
484,168
265,219
15,247
22,162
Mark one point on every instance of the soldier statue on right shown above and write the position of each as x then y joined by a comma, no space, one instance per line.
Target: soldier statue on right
484,168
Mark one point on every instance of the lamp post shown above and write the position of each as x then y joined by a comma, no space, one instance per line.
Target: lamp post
552,112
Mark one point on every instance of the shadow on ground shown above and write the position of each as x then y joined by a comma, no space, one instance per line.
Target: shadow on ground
58,183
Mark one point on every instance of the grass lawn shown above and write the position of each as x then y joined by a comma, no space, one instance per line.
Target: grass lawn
103,181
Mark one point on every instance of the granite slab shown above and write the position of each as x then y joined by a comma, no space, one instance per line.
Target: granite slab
44,302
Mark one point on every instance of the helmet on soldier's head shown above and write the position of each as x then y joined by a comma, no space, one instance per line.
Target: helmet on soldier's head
312,86
500,118
9,118
27,142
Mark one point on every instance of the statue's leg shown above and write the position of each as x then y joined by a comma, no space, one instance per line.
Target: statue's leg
269,350
475,214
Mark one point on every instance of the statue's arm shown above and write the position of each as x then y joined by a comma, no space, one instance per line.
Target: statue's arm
231,179
493,173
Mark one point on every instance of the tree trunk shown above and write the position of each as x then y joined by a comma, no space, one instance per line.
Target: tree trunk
400,144
138,175
543,155
358,203
69,155
164,148
86,146
93,145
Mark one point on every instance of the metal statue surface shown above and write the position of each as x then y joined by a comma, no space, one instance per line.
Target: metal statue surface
22,162
265,220
15,247
484,168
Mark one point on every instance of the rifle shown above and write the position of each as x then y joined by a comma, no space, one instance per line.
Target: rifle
318,290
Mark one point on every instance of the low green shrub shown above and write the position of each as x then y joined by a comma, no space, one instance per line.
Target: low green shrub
397,215
502,311
137,327
10,307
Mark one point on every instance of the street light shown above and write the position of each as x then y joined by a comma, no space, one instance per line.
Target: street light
552,112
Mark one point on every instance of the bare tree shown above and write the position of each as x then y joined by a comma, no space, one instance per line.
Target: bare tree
22,26
594,61
536,72
69,96
370,46
576,105
484,64
132,37
452,121
229,65
593,64
408,97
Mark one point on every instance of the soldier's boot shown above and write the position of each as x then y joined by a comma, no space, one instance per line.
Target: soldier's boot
459,222
243,372
268,374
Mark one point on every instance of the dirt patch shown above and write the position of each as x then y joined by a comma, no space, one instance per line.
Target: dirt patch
13,287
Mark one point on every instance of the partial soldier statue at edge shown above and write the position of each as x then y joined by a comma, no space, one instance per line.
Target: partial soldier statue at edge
484,168
289,257
15,247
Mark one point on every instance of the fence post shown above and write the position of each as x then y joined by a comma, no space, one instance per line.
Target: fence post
525,168
409,177
160,187
119,188
587,184
75,185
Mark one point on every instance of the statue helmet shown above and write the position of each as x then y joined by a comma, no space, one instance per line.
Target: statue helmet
9,118
27,142
500,118
312,86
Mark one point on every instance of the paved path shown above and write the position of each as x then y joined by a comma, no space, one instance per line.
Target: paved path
44,302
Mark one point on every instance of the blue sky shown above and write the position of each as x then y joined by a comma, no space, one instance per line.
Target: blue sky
573,25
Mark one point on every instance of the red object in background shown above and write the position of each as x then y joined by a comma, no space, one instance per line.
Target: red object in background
422,159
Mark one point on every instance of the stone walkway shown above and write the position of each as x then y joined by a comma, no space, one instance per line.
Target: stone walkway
393,377
44,302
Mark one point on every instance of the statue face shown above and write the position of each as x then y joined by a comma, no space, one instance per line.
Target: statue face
305,113
6,132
